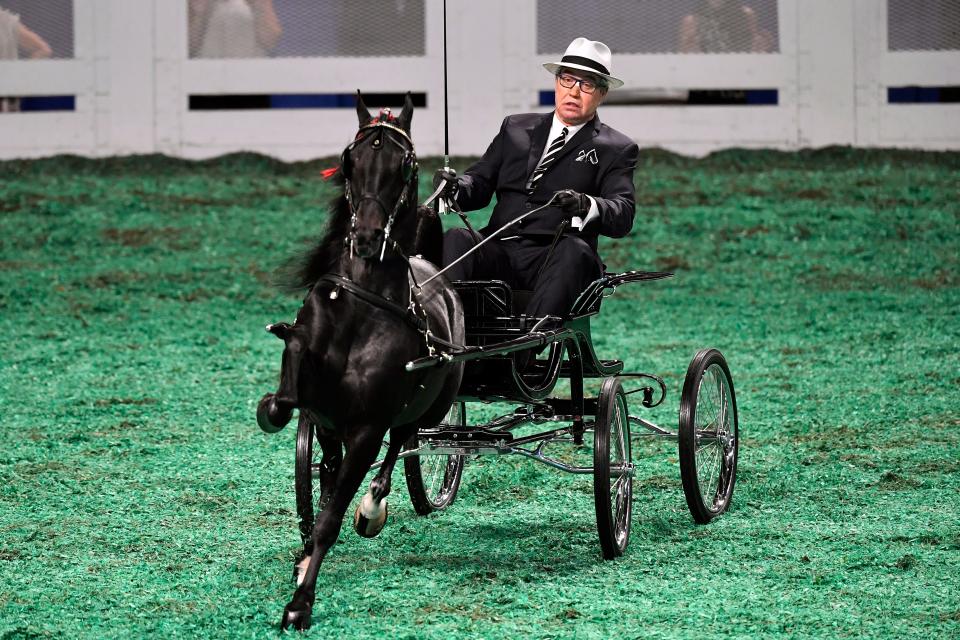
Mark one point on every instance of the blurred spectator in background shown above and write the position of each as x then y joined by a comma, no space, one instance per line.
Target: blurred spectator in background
17,39
233,28
723,26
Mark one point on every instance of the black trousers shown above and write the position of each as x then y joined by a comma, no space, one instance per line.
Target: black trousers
518,261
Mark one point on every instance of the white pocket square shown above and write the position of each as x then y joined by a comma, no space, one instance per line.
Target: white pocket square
587,156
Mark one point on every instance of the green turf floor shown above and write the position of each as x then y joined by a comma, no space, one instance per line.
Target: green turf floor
138,496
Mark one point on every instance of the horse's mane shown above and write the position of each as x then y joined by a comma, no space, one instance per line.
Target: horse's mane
306,267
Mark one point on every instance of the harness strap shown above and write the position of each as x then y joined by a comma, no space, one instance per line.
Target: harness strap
378,301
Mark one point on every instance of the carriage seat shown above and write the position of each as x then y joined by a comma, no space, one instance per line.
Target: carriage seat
495,313
495,298
491,298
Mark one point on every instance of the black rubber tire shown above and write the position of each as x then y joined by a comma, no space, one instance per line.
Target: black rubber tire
441,492
303,477
611,448
708,486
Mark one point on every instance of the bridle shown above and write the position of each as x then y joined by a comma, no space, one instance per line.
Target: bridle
414,315
383,123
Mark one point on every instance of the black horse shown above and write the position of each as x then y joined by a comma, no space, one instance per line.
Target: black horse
364,317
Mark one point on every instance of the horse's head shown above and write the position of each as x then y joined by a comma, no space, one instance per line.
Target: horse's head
380,172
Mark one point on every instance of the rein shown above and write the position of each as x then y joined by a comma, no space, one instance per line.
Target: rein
489,238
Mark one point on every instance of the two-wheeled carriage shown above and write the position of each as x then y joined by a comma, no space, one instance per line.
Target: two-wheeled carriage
502,366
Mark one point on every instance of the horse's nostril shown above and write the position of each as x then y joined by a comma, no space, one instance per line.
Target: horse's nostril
369,241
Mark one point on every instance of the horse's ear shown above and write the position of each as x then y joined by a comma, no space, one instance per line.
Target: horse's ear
363,114
407,114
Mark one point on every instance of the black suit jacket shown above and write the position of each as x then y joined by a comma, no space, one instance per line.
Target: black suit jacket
598,161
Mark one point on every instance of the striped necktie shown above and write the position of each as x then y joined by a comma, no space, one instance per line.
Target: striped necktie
548,158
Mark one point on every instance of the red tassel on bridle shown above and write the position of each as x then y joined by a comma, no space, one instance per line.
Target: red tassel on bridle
385,116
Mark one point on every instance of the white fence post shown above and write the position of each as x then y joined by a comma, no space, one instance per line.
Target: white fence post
125,76
825,73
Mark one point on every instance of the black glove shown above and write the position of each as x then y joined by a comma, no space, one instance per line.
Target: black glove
448,177
573,204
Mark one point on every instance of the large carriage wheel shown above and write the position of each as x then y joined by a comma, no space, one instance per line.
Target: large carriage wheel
433,480
303,474
612,469
709,437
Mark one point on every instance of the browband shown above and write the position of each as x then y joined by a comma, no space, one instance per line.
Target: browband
378,123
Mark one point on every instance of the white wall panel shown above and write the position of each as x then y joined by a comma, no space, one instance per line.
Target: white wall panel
45,77
930,126
877,123
132,80
931,68
42,134
38,134
661,125
307,75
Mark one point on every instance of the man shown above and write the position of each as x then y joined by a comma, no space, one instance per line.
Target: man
569,156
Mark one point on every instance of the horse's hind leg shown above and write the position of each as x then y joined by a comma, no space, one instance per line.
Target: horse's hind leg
371,513
361,453
329,467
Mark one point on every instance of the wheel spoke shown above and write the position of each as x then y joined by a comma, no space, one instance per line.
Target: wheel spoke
623,431
616,436
436,476
707,470
622,514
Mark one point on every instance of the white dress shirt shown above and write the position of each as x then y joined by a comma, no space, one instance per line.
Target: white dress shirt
555,128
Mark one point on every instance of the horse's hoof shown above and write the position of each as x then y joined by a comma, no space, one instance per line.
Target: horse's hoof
368,520
296,615
270,415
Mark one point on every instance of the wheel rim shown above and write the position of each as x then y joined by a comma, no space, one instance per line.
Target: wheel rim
307,471
714,438
435,470
621,476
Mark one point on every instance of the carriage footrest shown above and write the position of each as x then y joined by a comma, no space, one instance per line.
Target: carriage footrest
466,435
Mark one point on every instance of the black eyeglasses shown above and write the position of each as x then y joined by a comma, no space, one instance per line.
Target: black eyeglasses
587,86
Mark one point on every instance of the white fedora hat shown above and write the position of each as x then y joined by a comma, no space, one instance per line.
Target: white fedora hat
587,55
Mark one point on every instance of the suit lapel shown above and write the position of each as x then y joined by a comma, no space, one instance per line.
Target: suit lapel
538,141
588,132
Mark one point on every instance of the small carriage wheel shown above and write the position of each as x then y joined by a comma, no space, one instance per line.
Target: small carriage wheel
709,438
612,469
433,481
303,477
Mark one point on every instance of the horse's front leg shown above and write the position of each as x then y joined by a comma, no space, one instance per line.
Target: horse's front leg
276,409
361,453
371,513
329,471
